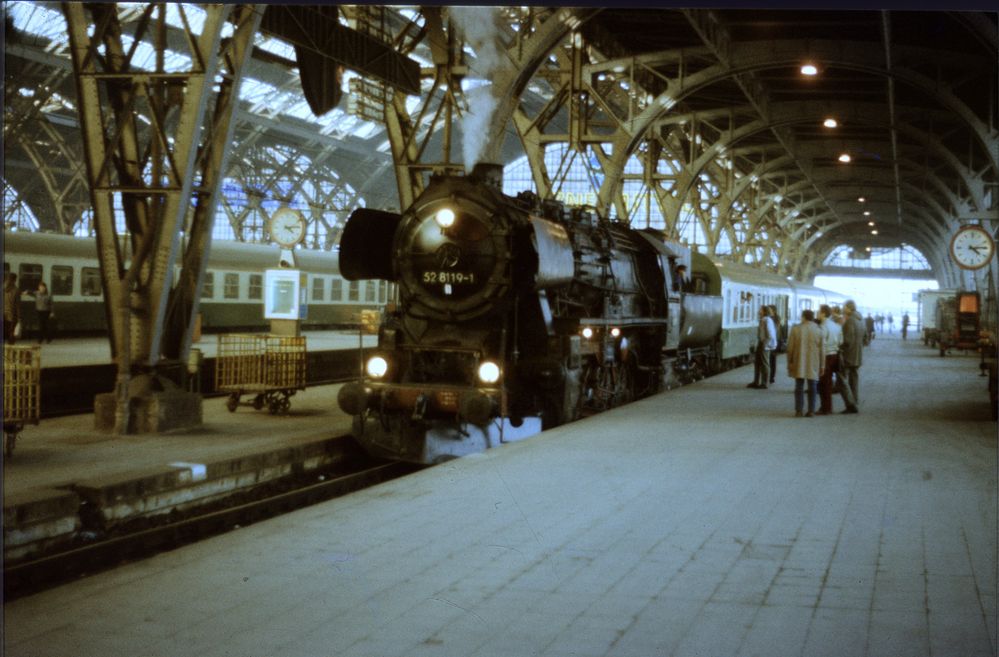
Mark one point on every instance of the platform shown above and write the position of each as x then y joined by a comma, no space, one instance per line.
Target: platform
703,521
64,461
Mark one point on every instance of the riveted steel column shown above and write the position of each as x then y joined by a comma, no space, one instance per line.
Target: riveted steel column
149,168
211,165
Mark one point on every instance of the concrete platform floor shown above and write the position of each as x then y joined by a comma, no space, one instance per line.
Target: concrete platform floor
705,521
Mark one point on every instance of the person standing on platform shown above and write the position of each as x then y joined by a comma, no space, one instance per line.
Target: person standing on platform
905,325
832,338
773,352
869,323
851,356
11,307
805,361
891,323
766,341
43,305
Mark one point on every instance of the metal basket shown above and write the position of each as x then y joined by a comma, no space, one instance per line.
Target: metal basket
22,390
270,366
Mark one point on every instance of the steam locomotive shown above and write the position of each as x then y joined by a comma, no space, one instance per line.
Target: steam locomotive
516,314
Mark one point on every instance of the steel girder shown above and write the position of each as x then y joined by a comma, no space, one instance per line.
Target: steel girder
210,166
445,103
150,171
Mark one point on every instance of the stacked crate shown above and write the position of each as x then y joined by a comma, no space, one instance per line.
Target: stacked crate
22,370
22,390
252,362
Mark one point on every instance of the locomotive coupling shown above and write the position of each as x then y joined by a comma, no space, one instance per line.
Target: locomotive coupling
353,398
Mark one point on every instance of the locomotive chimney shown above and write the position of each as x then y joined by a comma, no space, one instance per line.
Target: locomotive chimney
488,173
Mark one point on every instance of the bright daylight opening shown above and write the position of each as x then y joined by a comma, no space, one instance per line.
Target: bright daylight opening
881,296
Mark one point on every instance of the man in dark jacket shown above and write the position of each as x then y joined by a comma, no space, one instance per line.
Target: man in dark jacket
851,354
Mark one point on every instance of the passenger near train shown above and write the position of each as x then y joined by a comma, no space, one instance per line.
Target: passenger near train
518,313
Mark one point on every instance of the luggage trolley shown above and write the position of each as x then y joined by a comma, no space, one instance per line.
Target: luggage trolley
22,390
269,367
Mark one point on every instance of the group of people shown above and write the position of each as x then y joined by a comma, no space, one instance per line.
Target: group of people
824,355
12,310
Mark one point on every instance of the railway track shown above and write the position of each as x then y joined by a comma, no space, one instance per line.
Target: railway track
130,543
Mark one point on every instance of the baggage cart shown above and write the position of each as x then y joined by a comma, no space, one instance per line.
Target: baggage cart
22,390
269,367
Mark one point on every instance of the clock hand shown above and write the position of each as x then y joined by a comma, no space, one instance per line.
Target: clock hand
976,249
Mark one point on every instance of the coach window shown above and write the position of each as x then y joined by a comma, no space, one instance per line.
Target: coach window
353,292
62,279
318,288
208,287
90,282
381,291
230,286
336,289
29,276
256,290
370,293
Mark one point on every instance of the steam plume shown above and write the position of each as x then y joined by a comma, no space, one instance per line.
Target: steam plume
478,25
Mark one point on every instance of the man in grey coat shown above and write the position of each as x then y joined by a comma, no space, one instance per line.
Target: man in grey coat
851,355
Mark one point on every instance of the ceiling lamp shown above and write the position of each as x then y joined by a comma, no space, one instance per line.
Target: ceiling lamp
809,69
861,199
867,213
844,158
830,123
874,232
870,223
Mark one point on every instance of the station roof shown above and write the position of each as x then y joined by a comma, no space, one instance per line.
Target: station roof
723,93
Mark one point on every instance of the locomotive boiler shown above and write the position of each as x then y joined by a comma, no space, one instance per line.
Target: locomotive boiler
514,314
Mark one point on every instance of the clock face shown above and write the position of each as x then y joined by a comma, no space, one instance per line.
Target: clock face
287,227
972,247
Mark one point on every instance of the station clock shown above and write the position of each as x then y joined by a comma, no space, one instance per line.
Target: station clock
972,247
287,227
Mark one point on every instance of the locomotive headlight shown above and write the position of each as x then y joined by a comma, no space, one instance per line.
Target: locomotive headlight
444,217
489,372
376,367
587,333
615,332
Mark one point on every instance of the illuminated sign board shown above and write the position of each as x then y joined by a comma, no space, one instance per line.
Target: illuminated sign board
285,294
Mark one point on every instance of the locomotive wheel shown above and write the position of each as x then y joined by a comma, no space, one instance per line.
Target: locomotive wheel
258,402
232,402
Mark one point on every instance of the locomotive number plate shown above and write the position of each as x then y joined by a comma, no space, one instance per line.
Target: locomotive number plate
451,277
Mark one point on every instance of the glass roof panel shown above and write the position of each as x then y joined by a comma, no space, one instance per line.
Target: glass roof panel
35,19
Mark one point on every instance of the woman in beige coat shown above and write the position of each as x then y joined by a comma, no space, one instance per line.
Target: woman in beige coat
805,361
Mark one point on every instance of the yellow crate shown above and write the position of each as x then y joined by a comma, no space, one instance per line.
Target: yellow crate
22,390
256,362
